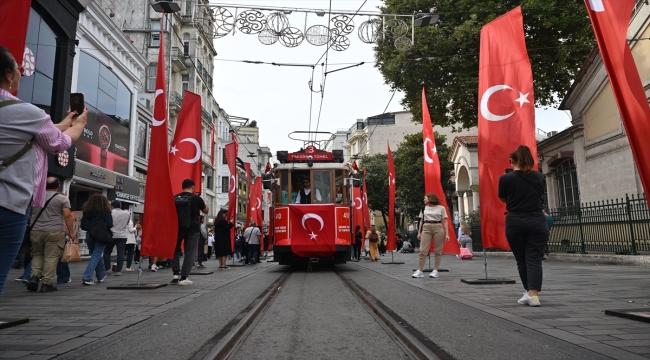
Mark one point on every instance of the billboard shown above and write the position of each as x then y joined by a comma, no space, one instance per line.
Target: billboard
104,142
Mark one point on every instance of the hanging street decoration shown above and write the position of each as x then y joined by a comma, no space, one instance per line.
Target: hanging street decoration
272,25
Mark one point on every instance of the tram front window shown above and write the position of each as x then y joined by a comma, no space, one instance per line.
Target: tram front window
322,186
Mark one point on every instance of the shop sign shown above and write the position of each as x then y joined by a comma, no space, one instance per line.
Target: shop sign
94,173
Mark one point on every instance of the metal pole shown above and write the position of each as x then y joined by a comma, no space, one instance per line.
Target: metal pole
236,206
413,30
485,262
582,235
629,217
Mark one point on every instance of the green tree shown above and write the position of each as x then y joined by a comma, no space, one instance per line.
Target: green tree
409,169
377,182
445,57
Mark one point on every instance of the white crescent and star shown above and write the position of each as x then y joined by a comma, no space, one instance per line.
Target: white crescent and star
198,150
360,203
312,236
487,114
232,183
154,120
427,158
259,203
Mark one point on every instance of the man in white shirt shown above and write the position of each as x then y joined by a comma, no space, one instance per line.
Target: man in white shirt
303,195
252,237
120,234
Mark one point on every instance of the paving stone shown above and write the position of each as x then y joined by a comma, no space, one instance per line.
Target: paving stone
598,332
66,346
567,336
600,337
626,343
105,331
633,337
638,349
13,354
30,346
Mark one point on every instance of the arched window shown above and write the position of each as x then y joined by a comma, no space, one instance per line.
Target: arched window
567,184
186,44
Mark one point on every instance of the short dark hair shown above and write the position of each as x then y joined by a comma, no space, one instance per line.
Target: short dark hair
188,183
7,62
116,204
523,158
53,184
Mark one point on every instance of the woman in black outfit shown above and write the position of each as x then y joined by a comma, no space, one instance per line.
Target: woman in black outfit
526,230
222,244
358,236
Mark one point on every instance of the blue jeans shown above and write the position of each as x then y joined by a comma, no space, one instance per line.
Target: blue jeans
96,263
121,244
12,231
253,252
62,272
28,271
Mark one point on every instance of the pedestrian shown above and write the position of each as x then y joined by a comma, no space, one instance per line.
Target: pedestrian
49,227
373,238
398,242
407,247
210,243
252,237
432,227
526,229
549,224
203,243
188,206
26,134
120,231
382,244
239,245
96,209
131,243
366,248
457,227
358,239
267,242
222,240
138,243
464,239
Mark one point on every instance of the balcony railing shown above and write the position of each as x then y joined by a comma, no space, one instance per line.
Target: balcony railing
206,114
175,99
204,74
178,60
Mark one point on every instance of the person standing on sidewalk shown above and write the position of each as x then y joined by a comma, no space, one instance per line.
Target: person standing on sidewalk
358,237
121,232
48,236
188,206
433,227
222,241
253,237
97,208
131,242
373,238
210,243
200,249
526,230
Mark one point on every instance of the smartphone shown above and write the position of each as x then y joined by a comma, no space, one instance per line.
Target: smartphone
77,103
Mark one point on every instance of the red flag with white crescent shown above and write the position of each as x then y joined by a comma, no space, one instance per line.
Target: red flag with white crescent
160,221
433,178
185,154
231,158
14,21
213,142
366,210
357,210
610,20
247,168
355,167
506,117
390,227
313,232
256,201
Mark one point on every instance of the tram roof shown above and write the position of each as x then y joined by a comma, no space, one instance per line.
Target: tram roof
315,166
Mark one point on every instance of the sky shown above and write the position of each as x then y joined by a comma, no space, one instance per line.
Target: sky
279,98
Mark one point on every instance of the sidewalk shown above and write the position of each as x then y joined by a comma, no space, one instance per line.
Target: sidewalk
574,298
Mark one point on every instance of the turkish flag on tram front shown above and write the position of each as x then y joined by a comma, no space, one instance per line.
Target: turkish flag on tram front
506,117
185,153
313,232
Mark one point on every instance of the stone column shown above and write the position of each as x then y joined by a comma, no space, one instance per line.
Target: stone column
476,201
461,204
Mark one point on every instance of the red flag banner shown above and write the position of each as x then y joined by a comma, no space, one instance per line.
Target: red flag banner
357,209
185,153
256,201
390,227
313,232
506,117
213,142
610,20
366,210
231,159
432,176
160,221
247,167
14,20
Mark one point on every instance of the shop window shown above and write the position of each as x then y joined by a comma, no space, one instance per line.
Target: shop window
141,139
151,77
225,184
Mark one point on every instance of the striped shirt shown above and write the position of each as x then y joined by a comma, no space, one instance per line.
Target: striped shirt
49,139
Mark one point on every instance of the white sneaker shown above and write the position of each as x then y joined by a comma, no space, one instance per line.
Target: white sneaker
529,300
154,268
175,279
185,282
417,274
434,274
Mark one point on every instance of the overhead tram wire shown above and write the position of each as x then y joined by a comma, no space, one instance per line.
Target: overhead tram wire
323,79
326,54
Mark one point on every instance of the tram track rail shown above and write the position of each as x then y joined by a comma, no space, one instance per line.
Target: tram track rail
226,343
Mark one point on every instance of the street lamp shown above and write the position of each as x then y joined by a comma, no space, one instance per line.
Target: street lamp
168,7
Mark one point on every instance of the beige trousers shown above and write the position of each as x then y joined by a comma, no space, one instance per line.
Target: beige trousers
374,253
47,248
429,232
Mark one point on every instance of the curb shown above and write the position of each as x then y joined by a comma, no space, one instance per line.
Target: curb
604,259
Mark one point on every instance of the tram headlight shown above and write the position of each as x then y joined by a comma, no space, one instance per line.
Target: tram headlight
310,161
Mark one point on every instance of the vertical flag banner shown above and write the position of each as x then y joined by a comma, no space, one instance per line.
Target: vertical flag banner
14,20
432,176
231,158
366,211
247,167
506,117
160,222
213,142
185,153
610,20
256,201
390,227
357,210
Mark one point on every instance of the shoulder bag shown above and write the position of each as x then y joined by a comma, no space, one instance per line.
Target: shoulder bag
99,231
12,159
28,232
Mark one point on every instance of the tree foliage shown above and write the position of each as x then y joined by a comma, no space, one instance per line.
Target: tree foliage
445,57
409,169
409,175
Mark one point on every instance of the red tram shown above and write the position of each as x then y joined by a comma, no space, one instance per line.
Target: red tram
311,214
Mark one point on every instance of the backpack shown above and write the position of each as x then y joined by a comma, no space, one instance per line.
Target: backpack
99,231
373,237
184,211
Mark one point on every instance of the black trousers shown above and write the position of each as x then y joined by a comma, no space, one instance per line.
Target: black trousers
527,234
357,251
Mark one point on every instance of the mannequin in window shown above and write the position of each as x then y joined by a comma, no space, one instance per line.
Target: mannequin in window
303,195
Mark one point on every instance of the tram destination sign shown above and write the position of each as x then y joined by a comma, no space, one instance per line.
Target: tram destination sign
310,153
